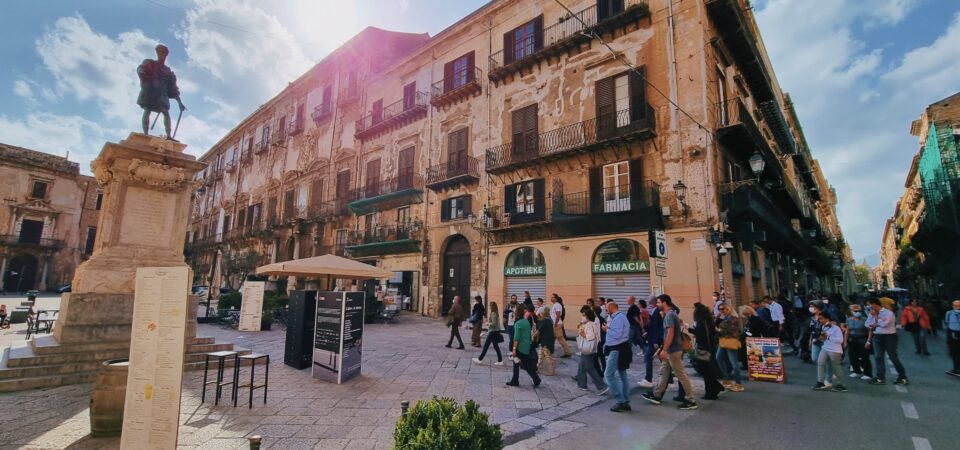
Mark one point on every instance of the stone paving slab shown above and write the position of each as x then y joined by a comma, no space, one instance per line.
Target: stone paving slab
401,361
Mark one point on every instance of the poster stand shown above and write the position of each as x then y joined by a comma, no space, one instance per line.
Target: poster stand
765,360
338,336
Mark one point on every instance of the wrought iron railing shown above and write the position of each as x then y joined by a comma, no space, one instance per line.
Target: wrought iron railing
461,79
387,186
497,217
570,137
296,126
629,197
566,27
395,111
11,240
401,232
465,166
262,147
321,112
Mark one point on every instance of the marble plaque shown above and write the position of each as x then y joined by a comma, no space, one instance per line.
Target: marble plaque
151,412
147,217
251,308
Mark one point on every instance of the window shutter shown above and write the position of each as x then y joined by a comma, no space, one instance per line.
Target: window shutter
508,50
531,144
448,76
509,199
471,65
467,205
596,191
637,200
516,127
606,105
638,97
539,199
603,9
316,194
538,32
445,210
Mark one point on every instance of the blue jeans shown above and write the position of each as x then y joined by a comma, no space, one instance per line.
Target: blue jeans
729,357
887,344
648,351
619,388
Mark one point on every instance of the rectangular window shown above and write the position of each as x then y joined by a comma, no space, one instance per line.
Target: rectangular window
461,70
289,199
524,200
524,41
616,187
241,219
373,178
39,189
457,207
410,96
31,231
621,99
325,107
226,225
376,115
621,104
403,217
341,240
722,97
91,240
457,142
99,200
298,118
265,136
524,129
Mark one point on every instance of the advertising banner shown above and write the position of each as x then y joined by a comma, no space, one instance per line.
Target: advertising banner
765,360
338,336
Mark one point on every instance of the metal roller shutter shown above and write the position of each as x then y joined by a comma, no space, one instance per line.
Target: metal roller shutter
757,294
619,286
536,285
738,290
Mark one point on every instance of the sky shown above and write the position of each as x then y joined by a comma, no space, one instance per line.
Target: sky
858,71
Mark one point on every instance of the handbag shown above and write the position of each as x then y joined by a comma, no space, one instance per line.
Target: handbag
730,343
497,337
585,346
686,341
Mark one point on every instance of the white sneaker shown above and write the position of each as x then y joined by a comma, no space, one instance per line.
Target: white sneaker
866,377
854,375
645,383
603,391
498,363
477,361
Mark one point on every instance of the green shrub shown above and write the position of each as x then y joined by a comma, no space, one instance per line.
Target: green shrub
228,300
441,423
274,299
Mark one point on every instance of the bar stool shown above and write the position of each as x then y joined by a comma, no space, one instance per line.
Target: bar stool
221,359
253,357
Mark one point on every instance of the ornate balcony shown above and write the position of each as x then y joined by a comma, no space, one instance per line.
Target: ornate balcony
261,147
568,33
386,240
390,193
394,115
296,126
321,113
28,242
454,172
231,167
279,139
580,137
464,84
608,210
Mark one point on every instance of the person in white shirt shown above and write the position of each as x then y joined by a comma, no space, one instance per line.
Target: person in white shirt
831,353
556,313
882,326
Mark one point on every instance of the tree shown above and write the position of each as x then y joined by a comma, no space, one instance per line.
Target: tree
862,273
236,265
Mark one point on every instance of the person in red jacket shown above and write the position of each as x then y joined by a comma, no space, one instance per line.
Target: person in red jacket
915,320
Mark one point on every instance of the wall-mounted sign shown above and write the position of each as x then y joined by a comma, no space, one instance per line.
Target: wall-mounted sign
525,271
622,267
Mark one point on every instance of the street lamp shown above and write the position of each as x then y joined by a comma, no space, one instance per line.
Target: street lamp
757,164
680,190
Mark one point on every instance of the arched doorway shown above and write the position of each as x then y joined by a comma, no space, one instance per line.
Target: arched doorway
456,273
21,273
526,271
621,268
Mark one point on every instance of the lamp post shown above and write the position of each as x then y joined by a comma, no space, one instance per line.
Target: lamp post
717,235
680,190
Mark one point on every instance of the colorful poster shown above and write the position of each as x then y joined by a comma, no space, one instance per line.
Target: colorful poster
251,307
765,360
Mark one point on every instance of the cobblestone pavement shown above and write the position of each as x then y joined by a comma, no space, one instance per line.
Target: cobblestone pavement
401,361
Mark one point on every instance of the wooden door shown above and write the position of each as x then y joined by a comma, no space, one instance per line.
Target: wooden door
405,173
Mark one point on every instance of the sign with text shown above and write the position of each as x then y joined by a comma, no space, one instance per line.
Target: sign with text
151,414
524,271
765,360
657,240
338,336
621,267
251,307
660,266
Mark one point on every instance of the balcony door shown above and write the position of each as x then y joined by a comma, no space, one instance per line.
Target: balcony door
616,187
373,178
343,188
457,153
405,169
31,231
525,137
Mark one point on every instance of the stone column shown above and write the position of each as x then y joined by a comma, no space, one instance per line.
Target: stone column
147,183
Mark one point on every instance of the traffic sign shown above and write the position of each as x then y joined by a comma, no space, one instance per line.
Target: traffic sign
660,266
658,244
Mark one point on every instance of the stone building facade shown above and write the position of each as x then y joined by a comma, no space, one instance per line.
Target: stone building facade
525,148
48,226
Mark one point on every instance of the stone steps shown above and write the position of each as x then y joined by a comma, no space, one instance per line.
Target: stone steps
47,381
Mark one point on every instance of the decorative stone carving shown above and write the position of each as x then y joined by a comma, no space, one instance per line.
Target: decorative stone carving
102,172
156,174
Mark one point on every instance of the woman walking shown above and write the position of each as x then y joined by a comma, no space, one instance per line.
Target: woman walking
588,341
915,320
856,344
705,362
494,336
729,343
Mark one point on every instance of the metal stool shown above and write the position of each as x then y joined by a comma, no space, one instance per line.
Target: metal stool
253,357
221,357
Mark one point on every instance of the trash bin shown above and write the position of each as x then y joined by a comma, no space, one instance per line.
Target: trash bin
32,295
106,400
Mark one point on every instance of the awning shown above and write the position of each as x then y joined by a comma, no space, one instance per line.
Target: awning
332,266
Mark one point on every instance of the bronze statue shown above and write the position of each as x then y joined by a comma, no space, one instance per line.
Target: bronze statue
158,85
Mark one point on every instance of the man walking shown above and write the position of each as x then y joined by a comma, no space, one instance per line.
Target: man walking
951,323
636,322
671,356
454,319
545,338
619,357
777,317
522,338
653,340
557,316
882,324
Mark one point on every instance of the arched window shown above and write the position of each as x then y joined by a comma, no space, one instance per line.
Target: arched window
620,255
525,261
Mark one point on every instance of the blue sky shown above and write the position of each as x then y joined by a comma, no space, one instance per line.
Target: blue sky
858,71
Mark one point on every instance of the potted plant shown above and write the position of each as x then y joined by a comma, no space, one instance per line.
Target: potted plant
444,423
266,320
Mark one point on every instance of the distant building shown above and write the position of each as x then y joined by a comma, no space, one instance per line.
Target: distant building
49,220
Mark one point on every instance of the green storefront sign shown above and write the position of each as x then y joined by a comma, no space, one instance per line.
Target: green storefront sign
622,267
524,271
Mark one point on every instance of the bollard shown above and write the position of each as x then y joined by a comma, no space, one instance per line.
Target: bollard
255,442
404,406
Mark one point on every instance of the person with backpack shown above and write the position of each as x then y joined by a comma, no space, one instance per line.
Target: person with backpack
671,356
916,321
951,325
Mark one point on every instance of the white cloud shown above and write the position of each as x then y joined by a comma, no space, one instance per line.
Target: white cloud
23,90
198,134
89,65
934,68
57,135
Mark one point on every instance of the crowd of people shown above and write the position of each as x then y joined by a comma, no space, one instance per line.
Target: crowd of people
818,329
